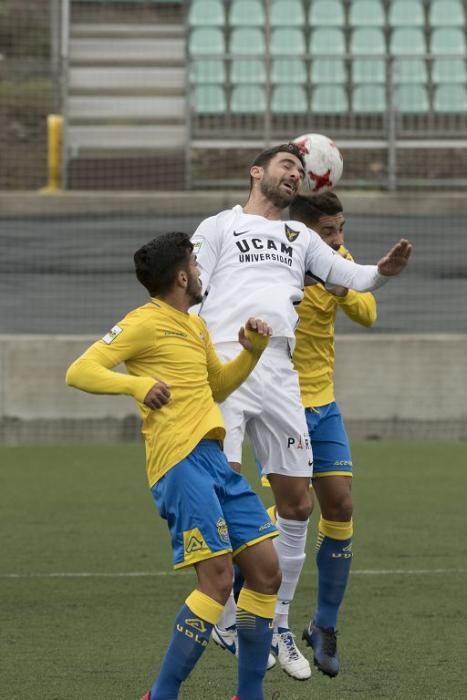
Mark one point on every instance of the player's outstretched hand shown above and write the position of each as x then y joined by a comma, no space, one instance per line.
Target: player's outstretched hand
158,396
257,326
396,259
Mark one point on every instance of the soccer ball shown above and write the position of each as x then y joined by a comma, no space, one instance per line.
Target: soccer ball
323,162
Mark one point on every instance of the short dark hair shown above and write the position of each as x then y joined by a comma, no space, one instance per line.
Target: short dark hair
265,157
157,262
309,209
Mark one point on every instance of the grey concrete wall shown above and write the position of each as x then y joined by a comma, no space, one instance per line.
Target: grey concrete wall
413,203
388,387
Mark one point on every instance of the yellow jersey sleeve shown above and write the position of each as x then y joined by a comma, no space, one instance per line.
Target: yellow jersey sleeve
93,371
314,350
225,378
360,307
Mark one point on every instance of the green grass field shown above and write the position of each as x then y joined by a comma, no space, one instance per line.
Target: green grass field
88,595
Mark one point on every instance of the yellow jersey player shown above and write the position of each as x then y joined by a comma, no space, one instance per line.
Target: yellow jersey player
314,361
176,378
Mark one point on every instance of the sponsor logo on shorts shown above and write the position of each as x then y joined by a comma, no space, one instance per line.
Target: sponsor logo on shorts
299,442
222,530
193,541
266,526
112,334
342,463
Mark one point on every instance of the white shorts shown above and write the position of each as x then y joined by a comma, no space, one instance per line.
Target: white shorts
268,407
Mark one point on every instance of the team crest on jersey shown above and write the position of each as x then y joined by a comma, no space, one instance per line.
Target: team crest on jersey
112,334
222,530
291,234
197,247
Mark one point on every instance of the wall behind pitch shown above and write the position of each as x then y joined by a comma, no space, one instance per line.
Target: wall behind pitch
388,387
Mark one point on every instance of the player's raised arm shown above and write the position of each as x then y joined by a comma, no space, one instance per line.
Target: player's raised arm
225,378
325,265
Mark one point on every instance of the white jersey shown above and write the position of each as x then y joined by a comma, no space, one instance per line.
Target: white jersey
255,267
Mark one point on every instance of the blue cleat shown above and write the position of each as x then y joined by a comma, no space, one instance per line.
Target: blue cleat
324,645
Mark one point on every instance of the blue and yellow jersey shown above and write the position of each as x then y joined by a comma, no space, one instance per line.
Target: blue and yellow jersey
314,351
159,343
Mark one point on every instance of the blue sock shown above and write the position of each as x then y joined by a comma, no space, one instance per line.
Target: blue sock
254,642
189,639
333,559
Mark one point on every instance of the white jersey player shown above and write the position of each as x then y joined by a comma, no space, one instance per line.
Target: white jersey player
252,260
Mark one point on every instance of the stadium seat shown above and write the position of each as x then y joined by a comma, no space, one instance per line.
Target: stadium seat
248,99
207,72
449,70
326,13
292,70
412,99
247,42
288,13
328,71
287,41
246,71
408,42
450,99
206,13
448,41
410,70
329,99
446,13
369,99
371,71
206,40
366,13
327,42
209,99
369,42
406,13
246,13
289,99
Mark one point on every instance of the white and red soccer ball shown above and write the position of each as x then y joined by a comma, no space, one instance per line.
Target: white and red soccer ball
323,162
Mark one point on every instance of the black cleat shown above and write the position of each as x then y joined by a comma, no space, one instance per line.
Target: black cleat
324,645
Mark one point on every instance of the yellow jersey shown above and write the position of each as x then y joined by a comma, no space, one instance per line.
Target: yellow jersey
159,343
314,350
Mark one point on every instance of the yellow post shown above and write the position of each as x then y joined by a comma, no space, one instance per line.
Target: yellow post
54,153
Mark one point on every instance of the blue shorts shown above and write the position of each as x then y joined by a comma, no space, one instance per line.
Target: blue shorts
331,449
210,509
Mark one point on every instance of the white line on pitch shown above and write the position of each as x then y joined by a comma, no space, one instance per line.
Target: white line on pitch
143,574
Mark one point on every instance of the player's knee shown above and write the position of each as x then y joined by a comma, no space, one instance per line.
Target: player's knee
265,579
298,510
339,509
223,585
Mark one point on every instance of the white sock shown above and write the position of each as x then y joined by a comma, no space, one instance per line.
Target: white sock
290,547
228,616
